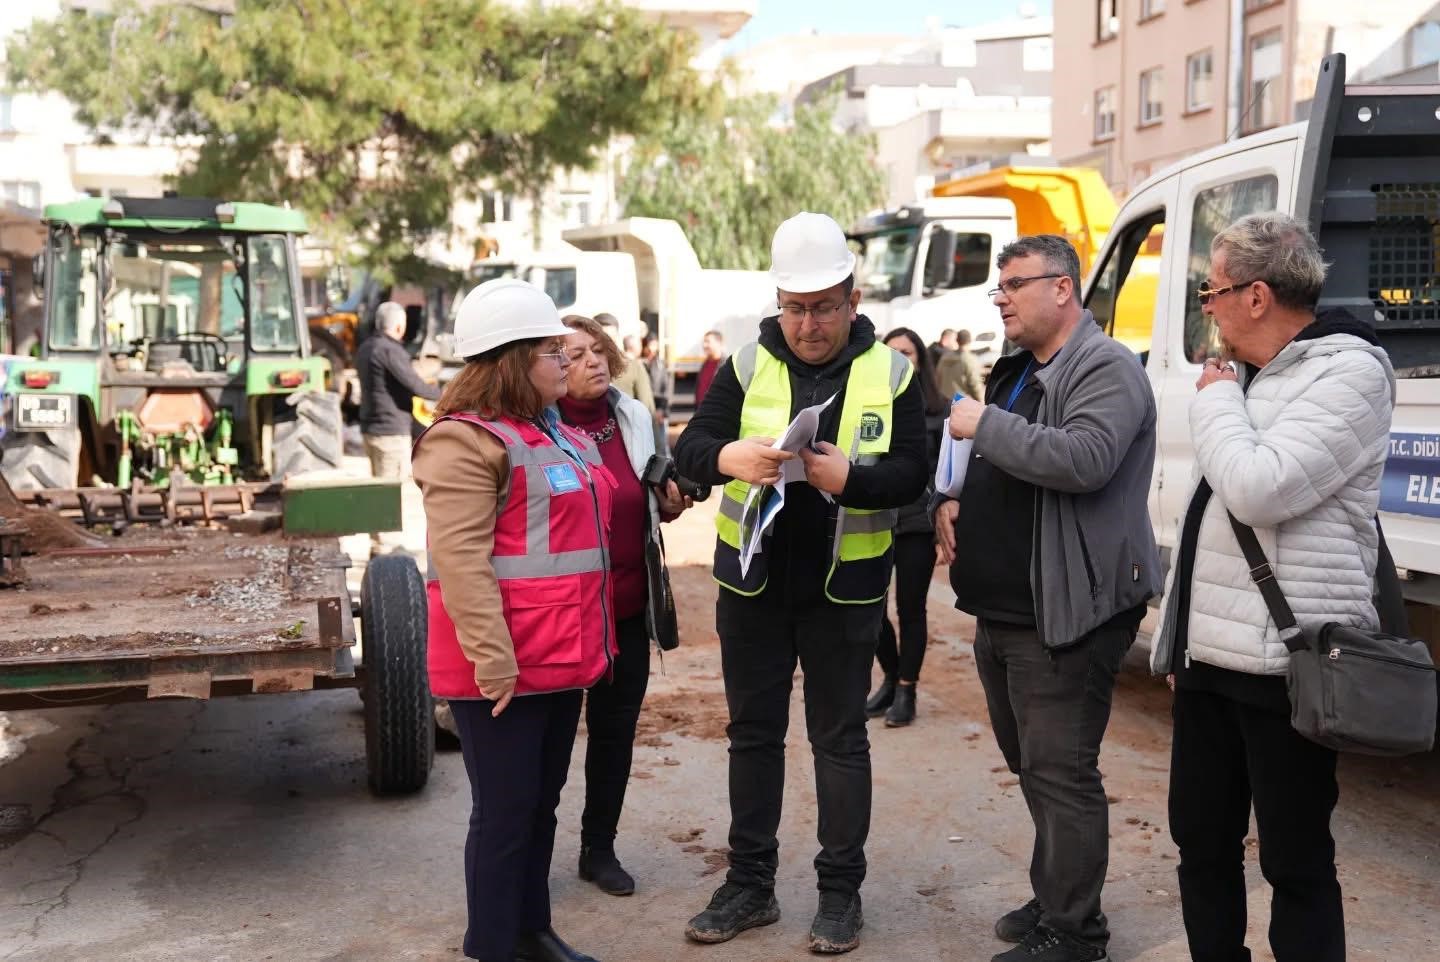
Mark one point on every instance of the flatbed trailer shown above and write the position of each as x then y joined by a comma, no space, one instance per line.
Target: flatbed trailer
201,611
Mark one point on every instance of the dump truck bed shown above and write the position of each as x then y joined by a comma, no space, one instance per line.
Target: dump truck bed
189,612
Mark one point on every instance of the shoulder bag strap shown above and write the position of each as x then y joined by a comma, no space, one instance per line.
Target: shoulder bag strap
1264,577
1389,599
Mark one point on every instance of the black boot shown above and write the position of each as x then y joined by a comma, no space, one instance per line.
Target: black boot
882,699
546,946
603,868
902,712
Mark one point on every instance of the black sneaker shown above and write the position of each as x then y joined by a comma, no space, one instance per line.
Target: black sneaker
1014,926
1044,944
733,909
837,924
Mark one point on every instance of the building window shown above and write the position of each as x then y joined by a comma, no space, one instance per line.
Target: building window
1151,8
1152,96
23,193
1422,46
7,113
1266,85
495,208
1105,113
1199,73
1107,20
1257,4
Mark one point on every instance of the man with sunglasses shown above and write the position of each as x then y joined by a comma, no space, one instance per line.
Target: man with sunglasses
813,592
1057,561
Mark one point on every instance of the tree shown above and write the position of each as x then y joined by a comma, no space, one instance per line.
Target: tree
731,178
372,116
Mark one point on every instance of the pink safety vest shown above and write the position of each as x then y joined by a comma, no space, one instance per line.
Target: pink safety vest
551,558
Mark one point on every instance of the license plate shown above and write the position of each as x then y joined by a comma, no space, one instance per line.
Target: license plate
41,412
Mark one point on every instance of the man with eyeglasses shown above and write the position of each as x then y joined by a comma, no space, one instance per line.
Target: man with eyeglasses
1057,562
814,591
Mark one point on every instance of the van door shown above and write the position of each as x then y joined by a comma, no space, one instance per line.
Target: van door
1213,195
1134,283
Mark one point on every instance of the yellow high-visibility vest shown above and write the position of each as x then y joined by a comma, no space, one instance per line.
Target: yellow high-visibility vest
861,544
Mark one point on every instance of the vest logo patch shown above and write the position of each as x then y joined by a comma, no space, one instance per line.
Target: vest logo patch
872,426
562,478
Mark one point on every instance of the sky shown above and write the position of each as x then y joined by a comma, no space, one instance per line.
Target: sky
775,18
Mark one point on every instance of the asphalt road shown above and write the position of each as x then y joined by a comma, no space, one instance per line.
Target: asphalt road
241,829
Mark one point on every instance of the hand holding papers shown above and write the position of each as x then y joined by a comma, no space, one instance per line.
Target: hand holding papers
766,498
954,458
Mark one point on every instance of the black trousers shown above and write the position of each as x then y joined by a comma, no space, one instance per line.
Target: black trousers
1049,710
760,642
914,564
1224,756
517,765
612,708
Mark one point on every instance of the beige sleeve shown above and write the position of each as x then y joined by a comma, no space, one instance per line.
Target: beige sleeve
463,474
637,384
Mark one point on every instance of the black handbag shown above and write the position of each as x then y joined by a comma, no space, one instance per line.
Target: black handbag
1351,689
660,609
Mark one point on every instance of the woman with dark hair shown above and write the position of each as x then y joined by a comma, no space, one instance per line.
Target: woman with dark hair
621,428
521,620
914,560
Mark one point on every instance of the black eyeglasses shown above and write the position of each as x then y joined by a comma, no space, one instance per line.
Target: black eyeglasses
1012,284
1204,294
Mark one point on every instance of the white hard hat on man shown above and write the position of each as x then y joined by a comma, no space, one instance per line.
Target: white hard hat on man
501,311
809,253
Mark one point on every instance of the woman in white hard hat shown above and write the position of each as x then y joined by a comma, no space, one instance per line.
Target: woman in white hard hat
518,510
620,426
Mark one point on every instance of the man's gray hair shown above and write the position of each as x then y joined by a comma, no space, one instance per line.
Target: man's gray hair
1277,249
1058,253
389,316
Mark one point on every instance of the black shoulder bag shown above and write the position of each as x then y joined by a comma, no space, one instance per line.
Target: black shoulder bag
1351,689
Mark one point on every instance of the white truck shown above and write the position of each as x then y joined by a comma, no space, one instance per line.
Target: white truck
579,282
1365,171
679,301
927,267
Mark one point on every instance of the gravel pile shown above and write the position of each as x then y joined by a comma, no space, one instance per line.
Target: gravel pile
248,599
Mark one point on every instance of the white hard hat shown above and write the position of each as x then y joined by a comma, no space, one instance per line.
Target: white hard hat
809,254
504,310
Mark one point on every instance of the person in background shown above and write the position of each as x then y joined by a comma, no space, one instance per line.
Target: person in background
632,378
388,387
958,372
659,389
943,346
1057,561
621,428
1294,448
914,559
514,672
713,344
632,347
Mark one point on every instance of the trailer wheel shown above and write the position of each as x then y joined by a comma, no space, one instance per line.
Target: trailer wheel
307,433
399,717
31,460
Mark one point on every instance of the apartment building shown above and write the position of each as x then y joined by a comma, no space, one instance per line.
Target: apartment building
1144,83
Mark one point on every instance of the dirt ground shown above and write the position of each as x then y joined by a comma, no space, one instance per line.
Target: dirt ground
240,828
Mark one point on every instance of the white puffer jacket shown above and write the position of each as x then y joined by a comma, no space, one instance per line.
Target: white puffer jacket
1298,458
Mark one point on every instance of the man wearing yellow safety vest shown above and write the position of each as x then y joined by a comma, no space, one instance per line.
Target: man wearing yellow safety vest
814,590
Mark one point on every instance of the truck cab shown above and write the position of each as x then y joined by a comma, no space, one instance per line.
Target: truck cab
1362,171
927,267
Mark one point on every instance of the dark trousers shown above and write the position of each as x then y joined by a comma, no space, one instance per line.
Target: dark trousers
1049,710
1224,756
517,765
914,563
760,642
612,708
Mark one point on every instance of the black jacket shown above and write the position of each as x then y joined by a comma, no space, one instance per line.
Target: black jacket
799,544
388,383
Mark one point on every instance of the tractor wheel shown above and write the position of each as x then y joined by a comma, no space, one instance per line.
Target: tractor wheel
306,434
399,714
31,460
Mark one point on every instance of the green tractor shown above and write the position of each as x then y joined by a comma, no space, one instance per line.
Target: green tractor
175,351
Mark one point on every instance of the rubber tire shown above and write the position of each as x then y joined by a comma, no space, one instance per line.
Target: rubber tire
31,460
399,713
307,434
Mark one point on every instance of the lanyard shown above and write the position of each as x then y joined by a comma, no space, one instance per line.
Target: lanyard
1019,385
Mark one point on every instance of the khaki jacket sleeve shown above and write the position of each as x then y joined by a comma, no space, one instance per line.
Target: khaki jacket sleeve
463,474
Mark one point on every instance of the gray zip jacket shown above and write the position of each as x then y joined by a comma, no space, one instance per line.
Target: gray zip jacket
1091,451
